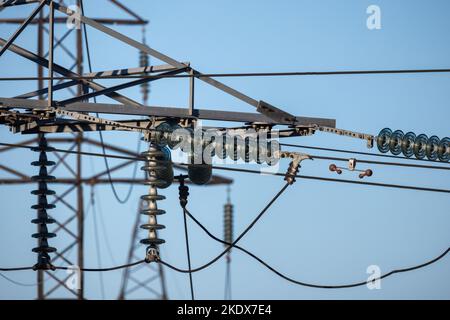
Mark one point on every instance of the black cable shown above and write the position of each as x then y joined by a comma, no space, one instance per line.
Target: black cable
227,291
357,152
105,232
17,282
16,269
129,265
400,164
305,284
238,74
374,184
130,190
97,242
183,197
94,154
188,255
397,164
250,226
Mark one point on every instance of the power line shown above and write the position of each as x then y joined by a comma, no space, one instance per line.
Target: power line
105,231
17,282
113,188
374,184
356,152
397,164
305,284
16,269
188,253
400,164
250,226
94,154
227,289
97,242
129,265
237,74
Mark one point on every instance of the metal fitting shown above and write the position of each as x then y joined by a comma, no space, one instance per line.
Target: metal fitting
294,166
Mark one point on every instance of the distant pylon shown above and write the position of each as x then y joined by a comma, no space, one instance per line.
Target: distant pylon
148,278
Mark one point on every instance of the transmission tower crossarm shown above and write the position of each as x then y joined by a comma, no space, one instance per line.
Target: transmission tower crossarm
118,87
267,109
158,111
11,3
133,71
66,72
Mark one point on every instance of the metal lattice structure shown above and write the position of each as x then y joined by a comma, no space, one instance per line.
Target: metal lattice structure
75,182
75,115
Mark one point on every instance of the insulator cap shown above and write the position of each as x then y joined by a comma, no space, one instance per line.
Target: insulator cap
152,241
408,144
420,145
43,161
154,197
432,148
152,212
199,174
44,220
444,150
149,226
395,142
383,140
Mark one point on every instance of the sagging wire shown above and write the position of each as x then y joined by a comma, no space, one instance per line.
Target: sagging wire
97,242
305,284
374,184
183,197
113,188
255,220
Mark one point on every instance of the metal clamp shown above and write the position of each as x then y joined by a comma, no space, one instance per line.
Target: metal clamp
294,166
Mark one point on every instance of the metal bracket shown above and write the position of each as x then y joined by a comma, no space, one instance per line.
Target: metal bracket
274,113
294,166
364,136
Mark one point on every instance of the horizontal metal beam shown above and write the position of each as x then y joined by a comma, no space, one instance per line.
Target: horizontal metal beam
10,3
65,72
73,126
63,20
172,112
269,110
115,88
132,71
56,87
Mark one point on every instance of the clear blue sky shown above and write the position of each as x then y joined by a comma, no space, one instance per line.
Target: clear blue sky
317,232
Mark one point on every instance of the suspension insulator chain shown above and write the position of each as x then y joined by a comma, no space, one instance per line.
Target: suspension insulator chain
183,193
145,87
42,235
159,172
228,223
